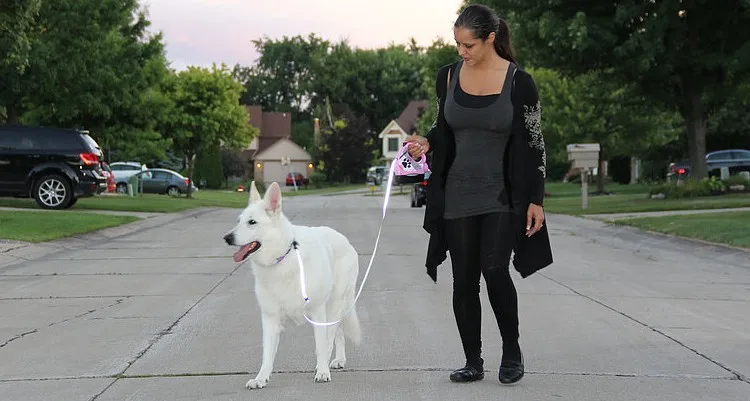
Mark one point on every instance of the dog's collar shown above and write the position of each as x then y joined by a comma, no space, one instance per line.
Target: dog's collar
293,245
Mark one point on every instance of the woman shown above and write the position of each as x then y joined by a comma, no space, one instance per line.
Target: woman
485,194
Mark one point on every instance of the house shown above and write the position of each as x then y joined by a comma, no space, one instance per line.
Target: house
394,134
272,153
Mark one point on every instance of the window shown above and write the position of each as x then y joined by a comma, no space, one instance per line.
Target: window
392,144
55,140
161,175
716,156
123,167
741,155
10,140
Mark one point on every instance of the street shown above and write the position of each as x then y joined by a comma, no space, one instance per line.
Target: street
163,313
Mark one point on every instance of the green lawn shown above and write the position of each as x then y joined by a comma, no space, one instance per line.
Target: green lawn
732,228
38,226
166,204
566,199
559,189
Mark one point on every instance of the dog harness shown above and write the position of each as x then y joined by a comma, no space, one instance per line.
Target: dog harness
281,258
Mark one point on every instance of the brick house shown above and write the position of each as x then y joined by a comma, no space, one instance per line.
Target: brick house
273,154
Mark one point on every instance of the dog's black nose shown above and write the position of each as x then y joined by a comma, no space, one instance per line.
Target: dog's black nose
229,238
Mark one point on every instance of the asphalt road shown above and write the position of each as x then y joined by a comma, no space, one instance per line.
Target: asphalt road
159,311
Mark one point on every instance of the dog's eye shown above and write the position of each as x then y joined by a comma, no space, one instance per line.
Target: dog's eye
251,222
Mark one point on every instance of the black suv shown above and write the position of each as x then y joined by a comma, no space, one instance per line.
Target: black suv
54,166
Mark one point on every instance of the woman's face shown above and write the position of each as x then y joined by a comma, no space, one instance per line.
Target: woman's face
473,50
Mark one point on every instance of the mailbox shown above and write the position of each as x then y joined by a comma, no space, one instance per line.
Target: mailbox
584,155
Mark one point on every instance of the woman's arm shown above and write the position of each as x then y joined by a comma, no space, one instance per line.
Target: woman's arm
532,114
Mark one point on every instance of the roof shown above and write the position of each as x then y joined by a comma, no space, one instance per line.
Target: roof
409,116
272,126
276,124
282,147
392,126
256,116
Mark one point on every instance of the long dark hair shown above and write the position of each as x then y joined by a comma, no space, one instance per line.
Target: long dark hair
482,20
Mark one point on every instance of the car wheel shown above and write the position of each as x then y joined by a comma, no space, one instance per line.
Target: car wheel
53,192
72,202
173,191
122,188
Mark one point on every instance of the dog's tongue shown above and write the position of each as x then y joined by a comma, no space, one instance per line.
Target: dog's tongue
244,250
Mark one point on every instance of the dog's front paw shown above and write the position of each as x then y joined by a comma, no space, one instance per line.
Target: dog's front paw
322,376
338,363
258,382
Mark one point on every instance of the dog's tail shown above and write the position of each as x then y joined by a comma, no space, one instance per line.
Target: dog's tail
350,326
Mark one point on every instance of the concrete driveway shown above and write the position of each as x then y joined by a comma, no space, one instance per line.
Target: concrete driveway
158,311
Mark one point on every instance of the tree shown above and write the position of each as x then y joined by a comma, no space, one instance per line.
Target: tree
679,54
282,78
205,112
209,167
619,119
376,84
593,108
93,65
345,146
232,164
303,75
17,23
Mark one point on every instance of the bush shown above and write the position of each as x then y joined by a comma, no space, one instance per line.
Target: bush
317,179
706,187
260,185
689,188
737,180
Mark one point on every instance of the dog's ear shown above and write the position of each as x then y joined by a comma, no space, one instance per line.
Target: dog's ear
272,199
254,194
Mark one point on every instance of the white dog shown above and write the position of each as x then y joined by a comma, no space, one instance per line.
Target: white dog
267,238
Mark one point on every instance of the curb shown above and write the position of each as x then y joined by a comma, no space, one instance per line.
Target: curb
613,223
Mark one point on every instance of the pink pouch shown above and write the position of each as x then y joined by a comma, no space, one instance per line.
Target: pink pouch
407,166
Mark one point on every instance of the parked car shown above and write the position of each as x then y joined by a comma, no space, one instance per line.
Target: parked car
163,181
54,166
122,172
107,172
735,160
298,177
419,193
377,174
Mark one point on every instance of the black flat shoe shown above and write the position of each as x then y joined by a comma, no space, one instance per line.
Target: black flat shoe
510,371
467,374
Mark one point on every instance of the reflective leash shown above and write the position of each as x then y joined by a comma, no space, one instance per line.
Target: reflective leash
412,169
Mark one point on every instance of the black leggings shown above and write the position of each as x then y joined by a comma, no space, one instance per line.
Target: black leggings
483,244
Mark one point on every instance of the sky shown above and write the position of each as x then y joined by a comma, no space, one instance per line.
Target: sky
201,32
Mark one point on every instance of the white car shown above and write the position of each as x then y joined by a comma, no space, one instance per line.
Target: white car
122,171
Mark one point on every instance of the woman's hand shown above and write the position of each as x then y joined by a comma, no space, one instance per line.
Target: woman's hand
534,219
418,145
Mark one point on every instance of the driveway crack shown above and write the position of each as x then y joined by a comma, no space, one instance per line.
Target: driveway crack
164,332
22,335
737,375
